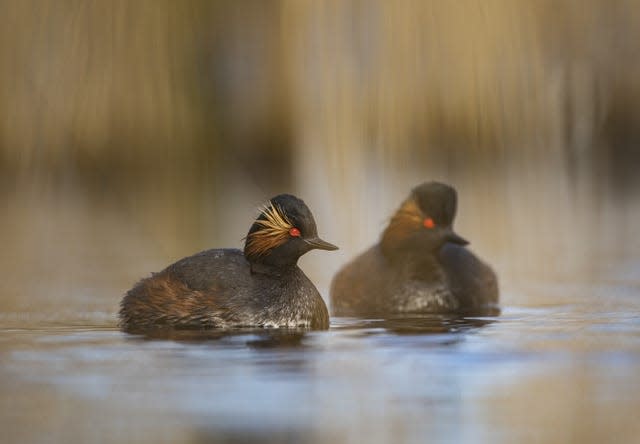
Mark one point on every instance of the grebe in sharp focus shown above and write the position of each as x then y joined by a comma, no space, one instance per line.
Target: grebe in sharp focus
225,288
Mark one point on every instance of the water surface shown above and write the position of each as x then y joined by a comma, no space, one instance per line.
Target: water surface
566,372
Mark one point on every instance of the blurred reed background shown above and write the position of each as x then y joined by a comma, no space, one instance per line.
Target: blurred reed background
133,133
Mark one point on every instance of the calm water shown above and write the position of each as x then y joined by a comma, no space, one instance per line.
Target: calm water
564,372
560,364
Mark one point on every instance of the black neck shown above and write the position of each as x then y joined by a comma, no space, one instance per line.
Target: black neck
269,269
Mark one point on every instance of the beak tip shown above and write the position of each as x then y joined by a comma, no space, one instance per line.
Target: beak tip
320,244
456,239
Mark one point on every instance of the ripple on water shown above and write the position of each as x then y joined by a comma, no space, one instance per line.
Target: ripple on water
425,374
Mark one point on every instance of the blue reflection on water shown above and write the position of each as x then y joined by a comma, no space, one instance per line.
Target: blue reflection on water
363,379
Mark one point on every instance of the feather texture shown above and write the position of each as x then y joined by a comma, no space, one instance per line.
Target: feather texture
274,230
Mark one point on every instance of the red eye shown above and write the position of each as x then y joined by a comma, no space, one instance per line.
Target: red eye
294,232
429,223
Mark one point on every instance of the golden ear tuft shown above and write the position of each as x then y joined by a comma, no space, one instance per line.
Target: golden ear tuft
408,214
274,231
275,220
408,219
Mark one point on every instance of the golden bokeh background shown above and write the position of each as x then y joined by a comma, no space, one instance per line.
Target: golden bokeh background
153,129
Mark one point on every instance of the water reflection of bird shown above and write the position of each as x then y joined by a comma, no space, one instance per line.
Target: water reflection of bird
254,337
260,287
420,265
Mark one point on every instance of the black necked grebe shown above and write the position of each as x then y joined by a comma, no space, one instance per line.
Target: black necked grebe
420,265
226,288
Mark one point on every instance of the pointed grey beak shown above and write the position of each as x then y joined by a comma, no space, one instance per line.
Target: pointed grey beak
455,239
318,243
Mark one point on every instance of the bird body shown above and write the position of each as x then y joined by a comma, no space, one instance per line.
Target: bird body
419,266
261,286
